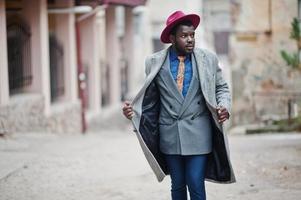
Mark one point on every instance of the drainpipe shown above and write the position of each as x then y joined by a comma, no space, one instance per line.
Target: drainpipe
75,10
81,74
269,31
81,78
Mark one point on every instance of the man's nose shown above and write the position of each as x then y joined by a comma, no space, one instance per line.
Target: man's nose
190,39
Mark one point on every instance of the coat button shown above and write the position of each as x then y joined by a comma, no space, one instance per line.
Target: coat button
199,102
170,106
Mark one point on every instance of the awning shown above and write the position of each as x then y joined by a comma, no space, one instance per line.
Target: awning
93,3
131,3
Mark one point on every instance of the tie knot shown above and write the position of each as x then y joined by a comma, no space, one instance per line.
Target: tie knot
181,58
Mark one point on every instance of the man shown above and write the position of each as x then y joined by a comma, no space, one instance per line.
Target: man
178,113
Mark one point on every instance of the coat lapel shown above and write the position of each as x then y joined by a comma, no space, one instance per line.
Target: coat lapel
201,62
167,78
192,90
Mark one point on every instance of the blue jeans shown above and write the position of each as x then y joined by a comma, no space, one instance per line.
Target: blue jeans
187,171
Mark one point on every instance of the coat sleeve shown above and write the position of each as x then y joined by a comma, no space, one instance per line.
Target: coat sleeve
223,95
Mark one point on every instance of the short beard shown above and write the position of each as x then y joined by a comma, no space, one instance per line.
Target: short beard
180,52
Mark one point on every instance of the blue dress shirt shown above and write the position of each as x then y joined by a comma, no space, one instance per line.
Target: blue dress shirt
174,64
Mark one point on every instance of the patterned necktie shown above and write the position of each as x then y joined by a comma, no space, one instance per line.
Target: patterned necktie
180,75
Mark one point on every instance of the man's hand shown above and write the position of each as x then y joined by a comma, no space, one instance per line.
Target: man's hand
127,110
222,114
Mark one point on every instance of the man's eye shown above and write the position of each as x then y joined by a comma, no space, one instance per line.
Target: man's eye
183,36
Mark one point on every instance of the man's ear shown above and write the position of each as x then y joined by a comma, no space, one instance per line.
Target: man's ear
172,38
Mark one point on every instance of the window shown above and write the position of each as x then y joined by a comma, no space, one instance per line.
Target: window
19,55
56,68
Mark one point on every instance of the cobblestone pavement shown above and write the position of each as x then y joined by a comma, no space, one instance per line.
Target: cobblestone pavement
109,165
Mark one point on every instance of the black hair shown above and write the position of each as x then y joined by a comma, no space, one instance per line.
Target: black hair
175,28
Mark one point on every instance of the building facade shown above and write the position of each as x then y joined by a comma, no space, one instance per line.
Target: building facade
264,87
247,36
62,62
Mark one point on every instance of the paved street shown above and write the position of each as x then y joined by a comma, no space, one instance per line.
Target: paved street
109,165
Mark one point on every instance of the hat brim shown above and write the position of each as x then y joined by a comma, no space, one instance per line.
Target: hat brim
195,20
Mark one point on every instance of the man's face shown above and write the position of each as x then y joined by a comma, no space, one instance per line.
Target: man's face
184,40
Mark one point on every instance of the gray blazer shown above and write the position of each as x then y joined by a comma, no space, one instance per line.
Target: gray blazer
184,123
146,107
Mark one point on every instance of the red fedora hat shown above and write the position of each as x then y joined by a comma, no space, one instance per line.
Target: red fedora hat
174,19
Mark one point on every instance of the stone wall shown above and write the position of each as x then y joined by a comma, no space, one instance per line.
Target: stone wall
64,118
25,113
262,82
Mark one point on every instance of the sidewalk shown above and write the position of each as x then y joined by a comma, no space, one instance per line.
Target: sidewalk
109,165
17,149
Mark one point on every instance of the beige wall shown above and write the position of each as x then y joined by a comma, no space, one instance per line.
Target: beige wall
254,16
31,110
142,47
113,55
100,26
256,62
91,59
35,11
65,32
129,46
63,26
100,47
4,91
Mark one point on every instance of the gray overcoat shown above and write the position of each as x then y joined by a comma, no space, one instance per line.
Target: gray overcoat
146,107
